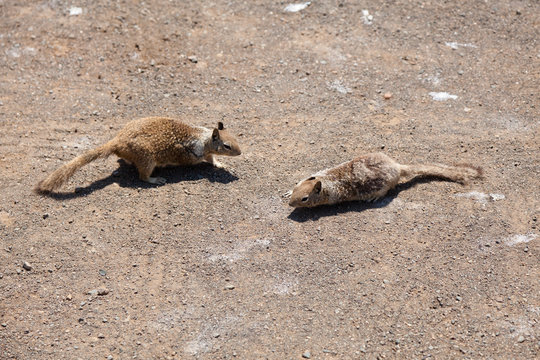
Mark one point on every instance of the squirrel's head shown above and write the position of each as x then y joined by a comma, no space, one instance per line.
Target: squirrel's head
224,143
307,193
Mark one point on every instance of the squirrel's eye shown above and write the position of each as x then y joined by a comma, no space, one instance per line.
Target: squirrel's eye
305,198
311,178
226,146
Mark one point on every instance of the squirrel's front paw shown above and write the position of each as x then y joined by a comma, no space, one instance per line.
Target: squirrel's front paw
287,194
218,164
157,180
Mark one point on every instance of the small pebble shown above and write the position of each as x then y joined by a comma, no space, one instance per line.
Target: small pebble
229,287
387,95
306,355
101,336
110,357
4,324
26,266
521,339
102,291
193,59
102,272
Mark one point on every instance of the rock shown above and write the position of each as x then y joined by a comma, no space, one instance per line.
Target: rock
229,287
521,339
26,266
306,355
101,336
193,59
100,292
102,272
387,95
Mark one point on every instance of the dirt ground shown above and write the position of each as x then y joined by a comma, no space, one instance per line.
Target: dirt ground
215,264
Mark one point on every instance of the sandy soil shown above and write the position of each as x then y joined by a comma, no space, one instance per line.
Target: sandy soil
215,264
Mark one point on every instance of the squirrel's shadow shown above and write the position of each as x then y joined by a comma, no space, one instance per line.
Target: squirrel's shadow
126,175
314,214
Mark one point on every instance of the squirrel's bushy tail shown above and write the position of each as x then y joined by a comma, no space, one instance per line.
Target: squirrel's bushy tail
62,174
459,173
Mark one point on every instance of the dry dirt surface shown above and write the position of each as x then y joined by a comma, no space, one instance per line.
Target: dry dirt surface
215,264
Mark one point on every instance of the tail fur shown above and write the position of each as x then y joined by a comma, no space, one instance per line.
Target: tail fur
62,174
459,173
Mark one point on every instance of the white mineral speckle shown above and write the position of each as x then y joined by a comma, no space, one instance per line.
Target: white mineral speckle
520,238
297,7
74,11
339,87
366,17
481,197
456,45
442,96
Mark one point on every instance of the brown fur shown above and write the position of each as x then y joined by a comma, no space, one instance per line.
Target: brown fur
151,142
368,178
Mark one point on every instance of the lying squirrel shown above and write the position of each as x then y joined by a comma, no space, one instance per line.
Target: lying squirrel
151,142
368,178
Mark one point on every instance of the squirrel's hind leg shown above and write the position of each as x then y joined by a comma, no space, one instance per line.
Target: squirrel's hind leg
145,168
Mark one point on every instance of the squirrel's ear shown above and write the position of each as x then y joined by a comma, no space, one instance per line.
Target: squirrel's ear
220,126
317,187
215,134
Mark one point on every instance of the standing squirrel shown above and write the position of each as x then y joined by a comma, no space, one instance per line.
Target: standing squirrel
368,178
151,142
